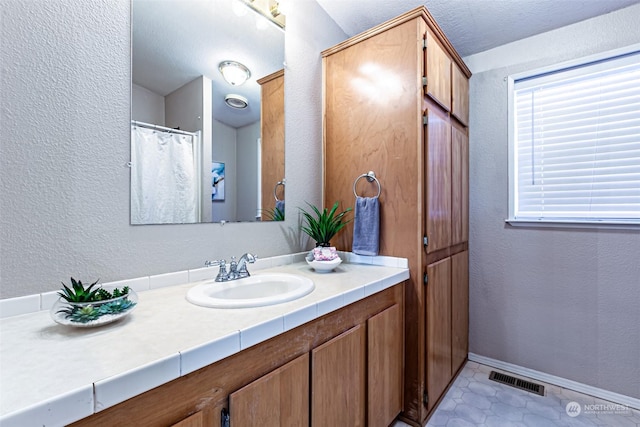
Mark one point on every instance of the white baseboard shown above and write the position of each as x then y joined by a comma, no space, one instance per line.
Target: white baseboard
558,381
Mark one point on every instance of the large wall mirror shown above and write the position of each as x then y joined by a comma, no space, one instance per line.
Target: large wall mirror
207,147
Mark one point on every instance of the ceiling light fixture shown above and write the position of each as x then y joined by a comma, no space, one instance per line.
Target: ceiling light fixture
234,72
236,101
272,10
275,10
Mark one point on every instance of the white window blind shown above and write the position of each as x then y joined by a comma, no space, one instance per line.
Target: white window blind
577,143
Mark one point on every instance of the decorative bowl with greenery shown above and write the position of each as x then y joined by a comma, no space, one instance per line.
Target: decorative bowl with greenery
92,305
321,226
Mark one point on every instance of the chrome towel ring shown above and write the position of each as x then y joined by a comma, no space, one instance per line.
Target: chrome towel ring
275,189
371,176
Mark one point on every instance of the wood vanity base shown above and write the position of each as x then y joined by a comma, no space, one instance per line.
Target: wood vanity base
371,330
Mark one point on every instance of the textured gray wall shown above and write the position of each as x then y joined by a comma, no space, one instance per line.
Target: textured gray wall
64,204
561,301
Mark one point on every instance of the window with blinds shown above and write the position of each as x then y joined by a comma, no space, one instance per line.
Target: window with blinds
576,144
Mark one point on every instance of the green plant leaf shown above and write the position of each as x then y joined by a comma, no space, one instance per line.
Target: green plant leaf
273,214
78,292
325,224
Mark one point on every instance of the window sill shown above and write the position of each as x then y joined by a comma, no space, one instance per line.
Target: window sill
611,225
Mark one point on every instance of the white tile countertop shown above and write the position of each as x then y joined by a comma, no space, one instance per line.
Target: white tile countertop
52,375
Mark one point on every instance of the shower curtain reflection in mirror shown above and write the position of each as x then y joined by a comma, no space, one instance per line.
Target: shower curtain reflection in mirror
165,175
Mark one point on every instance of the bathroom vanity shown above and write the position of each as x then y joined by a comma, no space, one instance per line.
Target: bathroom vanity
332,357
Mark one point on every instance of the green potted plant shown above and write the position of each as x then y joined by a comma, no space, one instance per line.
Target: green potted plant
91,305
321,226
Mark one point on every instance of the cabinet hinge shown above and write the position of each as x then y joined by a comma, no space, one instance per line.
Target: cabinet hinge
425,121
425,398
426,278
424,81
225,418
425,239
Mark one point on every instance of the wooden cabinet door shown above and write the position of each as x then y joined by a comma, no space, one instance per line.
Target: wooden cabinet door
280,398
272,134
370,123
438,342
438,181
338,380
459,95
195,420
459,186
385,362
438,72
459,309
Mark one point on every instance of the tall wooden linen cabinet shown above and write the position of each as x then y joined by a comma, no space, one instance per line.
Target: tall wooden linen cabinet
396,103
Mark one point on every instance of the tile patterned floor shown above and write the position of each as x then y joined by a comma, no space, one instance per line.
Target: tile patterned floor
473,400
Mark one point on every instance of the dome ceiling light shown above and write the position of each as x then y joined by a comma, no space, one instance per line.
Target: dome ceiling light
234,72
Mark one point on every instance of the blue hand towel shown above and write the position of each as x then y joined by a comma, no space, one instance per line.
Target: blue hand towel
366,226
280,206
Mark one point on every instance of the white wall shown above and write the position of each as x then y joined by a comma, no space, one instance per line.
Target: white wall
247,176
206,136
561,301
65,112
146,106
184,107
224,150
237,148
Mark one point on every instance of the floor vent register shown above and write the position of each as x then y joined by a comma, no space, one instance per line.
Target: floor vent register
517,383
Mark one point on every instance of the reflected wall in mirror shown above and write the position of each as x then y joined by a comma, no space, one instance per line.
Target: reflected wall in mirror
185,115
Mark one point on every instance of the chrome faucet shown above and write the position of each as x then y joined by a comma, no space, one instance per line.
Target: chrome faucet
237,270
242,264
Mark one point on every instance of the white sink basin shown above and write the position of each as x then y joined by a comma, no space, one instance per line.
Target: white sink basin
254,291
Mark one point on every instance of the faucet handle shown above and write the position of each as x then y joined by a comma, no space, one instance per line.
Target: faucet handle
222,263
222,272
